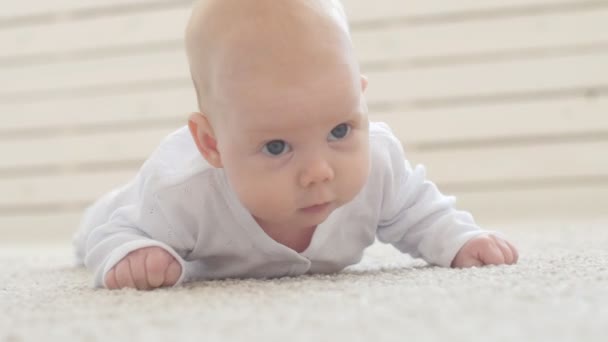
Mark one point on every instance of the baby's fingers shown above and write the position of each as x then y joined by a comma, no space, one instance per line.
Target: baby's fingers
514,251
505,250
137,262
123,275
157,262
491,254
173,273
468,262
111,282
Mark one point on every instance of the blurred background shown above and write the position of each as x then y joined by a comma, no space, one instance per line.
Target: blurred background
505,102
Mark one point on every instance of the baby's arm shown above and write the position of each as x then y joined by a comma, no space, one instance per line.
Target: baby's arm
149,211
117,243
144,269
419,220
123,222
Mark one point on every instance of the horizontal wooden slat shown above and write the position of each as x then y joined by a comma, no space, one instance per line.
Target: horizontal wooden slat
487,164
91,148
580,202
487,78
522,36
570,203
115,109
62,188
82,74
19,9
544,119
130,29
140,31
52,227
363,10
390,85
357,9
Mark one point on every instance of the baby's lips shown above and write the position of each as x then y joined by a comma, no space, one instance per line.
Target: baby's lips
316,207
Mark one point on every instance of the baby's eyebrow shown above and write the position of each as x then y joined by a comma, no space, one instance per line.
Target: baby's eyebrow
257,134
262,129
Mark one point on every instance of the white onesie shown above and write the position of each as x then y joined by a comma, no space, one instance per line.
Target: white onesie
180,203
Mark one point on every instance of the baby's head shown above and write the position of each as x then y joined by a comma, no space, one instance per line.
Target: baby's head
281,105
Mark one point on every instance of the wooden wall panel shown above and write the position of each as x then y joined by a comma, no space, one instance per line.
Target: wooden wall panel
505,102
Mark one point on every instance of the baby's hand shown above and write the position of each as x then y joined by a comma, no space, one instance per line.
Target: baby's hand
144,269
485,250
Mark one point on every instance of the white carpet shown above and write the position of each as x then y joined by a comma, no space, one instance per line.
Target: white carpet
558,292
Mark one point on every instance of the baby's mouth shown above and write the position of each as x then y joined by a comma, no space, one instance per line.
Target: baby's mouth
317,208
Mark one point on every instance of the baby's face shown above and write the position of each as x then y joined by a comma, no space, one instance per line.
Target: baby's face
295,145
282,90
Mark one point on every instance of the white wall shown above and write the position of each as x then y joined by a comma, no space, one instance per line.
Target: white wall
504,101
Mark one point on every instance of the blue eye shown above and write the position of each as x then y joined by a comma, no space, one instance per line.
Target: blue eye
339,132
276,148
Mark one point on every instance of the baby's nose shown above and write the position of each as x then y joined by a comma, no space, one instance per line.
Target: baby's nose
315,172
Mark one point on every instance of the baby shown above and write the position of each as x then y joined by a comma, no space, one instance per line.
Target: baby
280,173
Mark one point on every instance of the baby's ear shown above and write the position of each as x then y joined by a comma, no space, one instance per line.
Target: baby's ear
364,83
204,137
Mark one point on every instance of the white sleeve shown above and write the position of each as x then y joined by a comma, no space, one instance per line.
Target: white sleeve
415,217
125,220
110,242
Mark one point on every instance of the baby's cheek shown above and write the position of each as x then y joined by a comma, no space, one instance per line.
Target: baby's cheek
263,196
355,174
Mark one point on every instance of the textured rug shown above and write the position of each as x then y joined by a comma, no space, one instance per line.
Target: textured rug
557,292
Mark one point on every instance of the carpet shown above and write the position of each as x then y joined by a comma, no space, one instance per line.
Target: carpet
557,292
